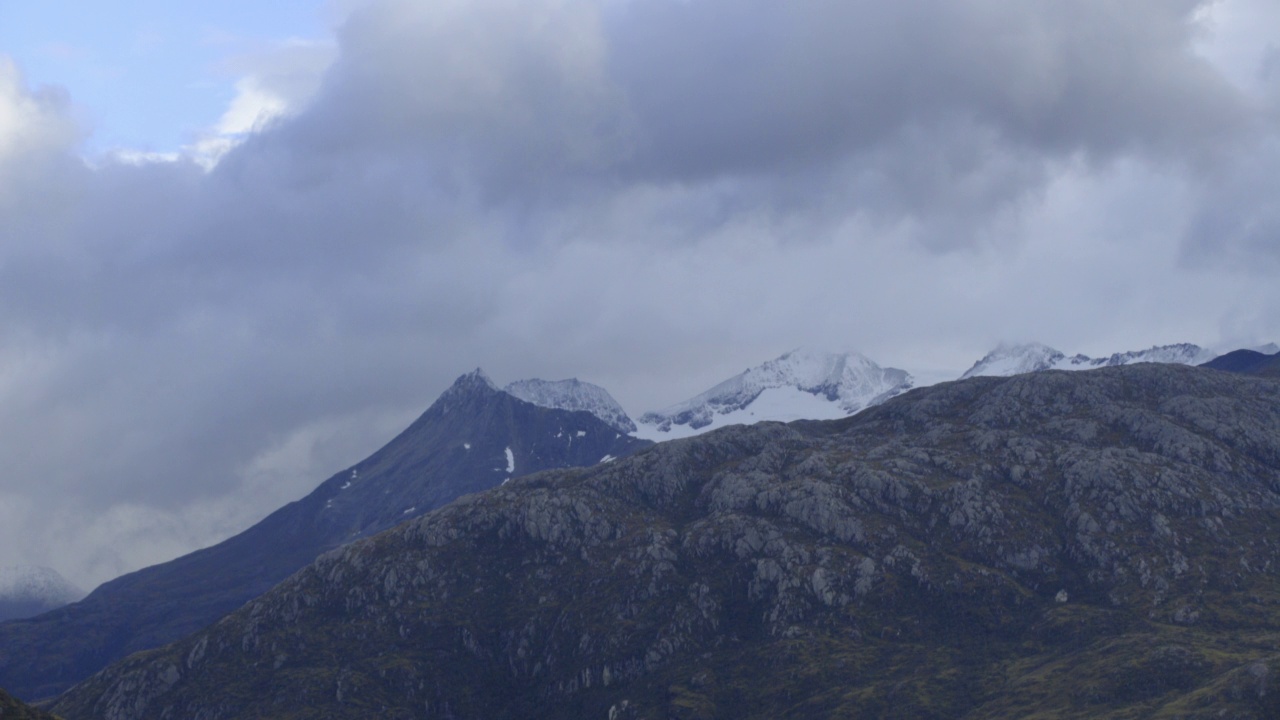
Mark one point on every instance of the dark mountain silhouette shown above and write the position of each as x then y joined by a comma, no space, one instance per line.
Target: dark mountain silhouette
473,438
1248,362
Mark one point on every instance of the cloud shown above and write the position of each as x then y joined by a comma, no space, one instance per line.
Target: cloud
649,194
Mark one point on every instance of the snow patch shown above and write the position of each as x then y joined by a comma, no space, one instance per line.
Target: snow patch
780,404
511,461
607,459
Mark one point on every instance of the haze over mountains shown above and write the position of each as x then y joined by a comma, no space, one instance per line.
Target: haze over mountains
978,549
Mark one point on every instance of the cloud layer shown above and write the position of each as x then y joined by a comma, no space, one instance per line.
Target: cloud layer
649,194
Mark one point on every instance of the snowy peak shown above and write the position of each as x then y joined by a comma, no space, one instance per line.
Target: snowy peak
474,387
573,394
30,590
803,383
1008,360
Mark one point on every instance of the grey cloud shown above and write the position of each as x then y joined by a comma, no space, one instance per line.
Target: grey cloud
651,195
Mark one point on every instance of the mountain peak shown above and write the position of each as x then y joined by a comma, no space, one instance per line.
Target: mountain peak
574,394
30,590
804,383
1015,359
475,382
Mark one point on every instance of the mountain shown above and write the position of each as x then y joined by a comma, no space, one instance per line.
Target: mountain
574,394
1101,544
802,384
13,709
474,437
28,590
1008,360
1250,362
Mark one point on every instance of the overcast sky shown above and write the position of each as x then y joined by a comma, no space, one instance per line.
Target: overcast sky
240,250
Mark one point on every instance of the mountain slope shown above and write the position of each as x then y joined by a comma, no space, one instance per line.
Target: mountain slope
13,709
472,438
1006,360
27,590
573,394
802,384
1249,362
1074,545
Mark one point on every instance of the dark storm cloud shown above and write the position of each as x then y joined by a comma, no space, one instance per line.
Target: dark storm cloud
611,189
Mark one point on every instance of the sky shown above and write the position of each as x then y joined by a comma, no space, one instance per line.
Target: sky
242,246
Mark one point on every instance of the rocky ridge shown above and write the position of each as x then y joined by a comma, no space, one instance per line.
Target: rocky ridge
1099,544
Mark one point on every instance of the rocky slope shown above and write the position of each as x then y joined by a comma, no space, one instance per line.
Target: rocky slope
472,438
803,383
1071,545
30,590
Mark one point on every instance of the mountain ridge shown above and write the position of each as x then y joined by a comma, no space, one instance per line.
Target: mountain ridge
981,548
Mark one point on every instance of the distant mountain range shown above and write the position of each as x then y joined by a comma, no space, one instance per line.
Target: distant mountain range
1008,360
28,590
474,437
1084,544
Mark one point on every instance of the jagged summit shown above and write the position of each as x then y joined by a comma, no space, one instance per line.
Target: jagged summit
574,394
801,384
27,590
1007,359
475,380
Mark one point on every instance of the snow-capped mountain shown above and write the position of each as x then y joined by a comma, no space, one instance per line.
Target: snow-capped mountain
29,590
1008,360
802,384
573,394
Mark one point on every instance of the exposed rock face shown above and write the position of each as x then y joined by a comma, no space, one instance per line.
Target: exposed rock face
472,438
1092,544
